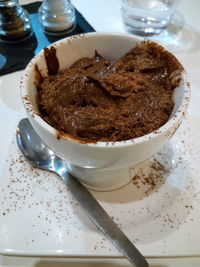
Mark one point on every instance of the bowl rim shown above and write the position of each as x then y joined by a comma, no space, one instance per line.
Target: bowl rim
173,120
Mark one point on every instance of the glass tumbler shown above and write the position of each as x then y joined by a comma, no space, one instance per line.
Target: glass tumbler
147,17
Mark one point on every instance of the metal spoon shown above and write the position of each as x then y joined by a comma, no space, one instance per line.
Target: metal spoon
38,154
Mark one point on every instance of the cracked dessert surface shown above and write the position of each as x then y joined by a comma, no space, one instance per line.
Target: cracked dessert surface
100,100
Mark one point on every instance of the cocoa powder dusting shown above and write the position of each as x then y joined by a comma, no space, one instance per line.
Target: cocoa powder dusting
99,100
153,178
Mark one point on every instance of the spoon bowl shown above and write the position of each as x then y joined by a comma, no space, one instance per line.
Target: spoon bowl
35,150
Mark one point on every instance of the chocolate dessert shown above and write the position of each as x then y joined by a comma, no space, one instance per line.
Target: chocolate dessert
99,100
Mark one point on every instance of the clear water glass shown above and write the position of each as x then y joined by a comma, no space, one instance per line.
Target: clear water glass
147,17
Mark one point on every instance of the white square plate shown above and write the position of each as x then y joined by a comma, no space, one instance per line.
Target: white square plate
158,210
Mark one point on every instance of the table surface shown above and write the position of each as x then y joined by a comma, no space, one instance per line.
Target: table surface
182,38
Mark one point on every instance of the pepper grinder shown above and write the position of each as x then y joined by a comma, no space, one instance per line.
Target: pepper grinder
57,17
15,24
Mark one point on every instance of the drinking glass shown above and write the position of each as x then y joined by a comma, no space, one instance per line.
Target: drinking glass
147,17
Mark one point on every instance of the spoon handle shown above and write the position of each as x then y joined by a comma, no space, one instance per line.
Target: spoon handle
102,220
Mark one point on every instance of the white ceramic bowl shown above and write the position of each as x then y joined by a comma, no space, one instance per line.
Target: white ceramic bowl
101,166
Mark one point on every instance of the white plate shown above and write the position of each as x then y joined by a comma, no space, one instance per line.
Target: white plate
40,217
